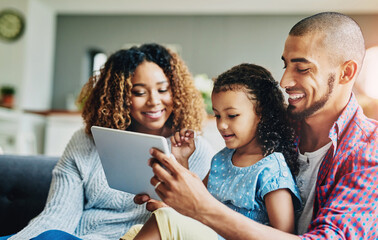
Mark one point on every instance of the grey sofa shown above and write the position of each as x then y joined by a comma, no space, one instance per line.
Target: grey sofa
24,185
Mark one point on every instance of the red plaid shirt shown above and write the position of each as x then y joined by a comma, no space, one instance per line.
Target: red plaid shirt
346,200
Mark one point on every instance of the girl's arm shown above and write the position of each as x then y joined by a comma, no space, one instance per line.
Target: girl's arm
279,205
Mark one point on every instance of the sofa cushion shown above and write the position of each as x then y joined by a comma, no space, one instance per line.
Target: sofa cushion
24,185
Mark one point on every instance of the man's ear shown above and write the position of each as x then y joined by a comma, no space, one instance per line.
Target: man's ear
348,71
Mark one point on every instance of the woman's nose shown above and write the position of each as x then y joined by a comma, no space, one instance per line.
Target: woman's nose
153,98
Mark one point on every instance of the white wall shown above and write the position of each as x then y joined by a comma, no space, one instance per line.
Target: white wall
27,63
40,46
12,54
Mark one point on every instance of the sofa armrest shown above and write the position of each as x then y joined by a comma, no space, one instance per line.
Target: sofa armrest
24,185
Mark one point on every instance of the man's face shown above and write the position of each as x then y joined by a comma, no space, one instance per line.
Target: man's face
309,76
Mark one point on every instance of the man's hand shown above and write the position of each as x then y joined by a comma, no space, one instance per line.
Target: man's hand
179,188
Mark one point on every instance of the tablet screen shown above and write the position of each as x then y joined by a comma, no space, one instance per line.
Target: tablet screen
124,156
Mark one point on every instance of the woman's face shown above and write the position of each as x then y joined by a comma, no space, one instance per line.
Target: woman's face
151,99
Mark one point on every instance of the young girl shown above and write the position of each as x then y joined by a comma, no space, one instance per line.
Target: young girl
253,173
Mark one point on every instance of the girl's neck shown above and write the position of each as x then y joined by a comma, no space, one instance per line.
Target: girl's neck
245,157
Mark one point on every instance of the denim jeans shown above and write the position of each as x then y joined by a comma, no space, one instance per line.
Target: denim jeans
49,235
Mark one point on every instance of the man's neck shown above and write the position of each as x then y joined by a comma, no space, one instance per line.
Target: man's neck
313,138
315,129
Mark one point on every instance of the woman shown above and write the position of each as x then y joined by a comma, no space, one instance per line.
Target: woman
145,89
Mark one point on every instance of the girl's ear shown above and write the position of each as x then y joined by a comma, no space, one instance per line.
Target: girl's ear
348,71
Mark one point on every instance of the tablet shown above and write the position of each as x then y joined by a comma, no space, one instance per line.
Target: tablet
124,156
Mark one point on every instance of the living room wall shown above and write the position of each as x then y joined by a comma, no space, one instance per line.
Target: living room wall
210,44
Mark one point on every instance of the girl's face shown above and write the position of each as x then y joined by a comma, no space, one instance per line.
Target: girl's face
236,118
151,99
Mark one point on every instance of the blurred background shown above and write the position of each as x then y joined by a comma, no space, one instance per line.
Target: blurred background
57,44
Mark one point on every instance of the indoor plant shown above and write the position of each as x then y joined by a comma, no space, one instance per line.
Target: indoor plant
7,96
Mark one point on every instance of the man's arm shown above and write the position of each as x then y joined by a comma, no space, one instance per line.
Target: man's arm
185,192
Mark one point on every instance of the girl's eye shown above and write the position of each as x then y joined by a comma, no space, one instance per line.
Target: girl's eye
233,116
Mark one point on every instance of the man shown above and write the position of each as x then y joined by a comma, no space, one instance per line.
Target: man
322,56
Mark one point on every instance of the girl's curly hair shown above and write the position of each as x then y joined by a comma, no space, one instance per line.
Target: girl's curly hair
274,133
106,98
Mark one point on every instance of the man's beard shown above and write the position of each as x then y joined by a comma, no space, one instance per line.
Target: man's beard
316,105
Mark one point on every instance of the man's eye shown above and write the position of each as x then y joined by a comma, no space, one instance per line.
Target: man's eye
302,70
217,116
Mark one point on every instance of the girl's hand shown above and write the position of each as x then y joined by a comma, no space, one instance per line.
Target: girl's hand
183,146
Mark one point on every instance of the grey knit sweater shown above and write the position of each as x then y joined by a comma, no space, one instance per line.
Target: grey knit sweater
80,201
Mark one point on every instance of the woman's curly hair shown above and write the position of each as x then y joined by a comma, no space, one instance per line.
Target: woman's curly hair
274,133
106,98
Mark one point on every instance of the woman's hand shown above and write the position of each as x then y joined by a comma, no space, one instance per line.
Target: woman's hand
183,146
151,205
179,188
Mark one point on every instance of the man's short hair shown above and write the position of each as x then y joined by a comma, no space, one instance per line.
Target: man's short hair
342,35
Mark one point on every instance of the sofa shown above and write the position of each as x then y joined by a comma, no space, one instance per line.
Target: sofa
24,185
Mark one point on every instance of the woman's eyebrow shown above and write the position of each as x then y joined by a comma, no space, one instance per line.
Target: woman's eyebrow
142,84
162,82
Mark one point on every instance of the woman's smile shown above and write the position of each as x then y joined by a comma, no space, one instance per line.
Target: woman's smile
154,114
